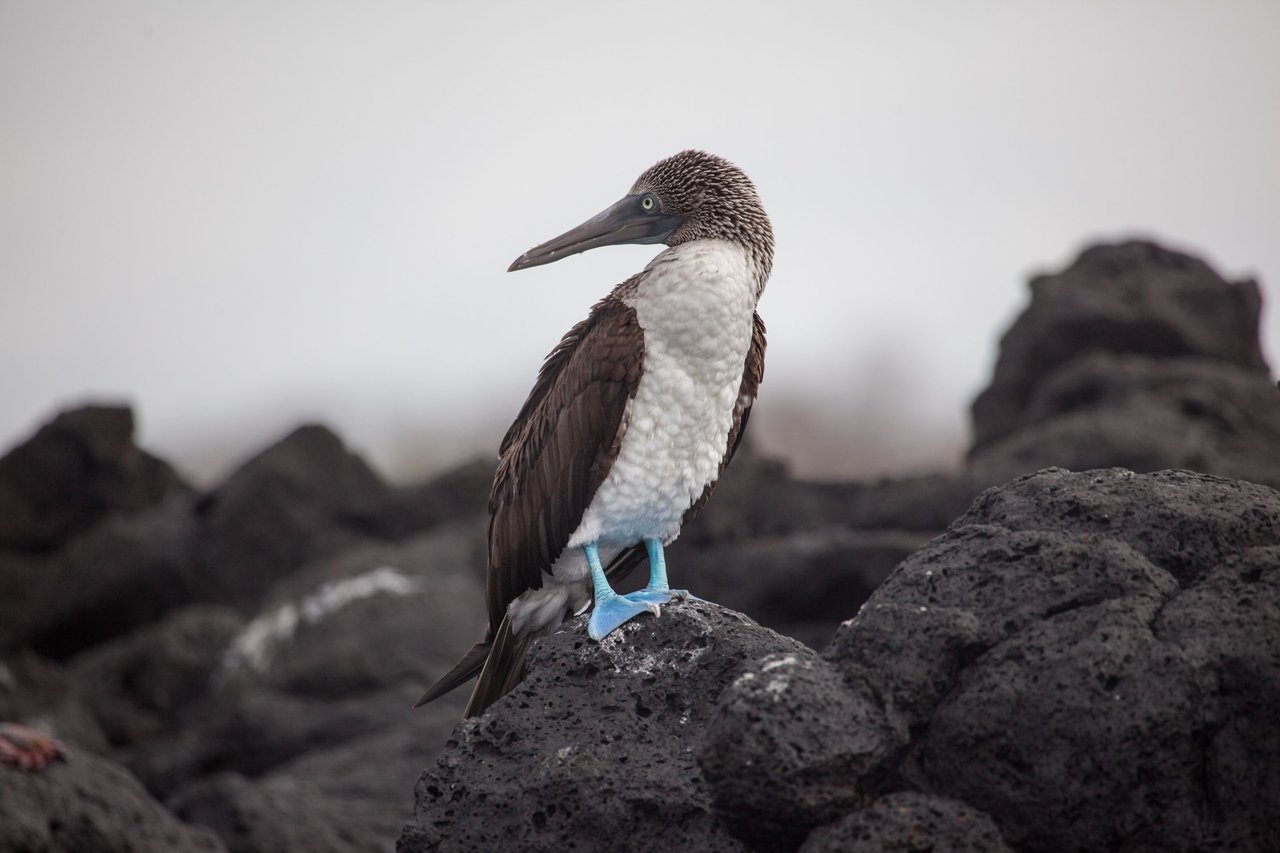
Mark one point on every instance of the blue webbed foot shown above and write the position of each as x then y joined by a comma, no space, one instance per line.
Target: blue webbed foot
611,612
663,596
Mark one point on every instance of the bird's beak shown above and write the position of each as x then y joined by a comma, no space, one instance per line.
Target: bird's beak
624,222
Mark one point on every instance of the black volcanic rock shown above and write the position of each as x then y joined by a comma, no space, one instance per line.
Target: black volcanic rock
597,745
303,498
1081,662
793,747
86,803
1131,298
350,798
803,584
1103,410
76,469
124,572
907,822
453,495
140,687
1085,657
337,651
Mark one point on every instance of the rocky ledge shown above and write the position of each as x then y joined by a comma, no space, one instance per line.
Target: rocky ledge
1082,661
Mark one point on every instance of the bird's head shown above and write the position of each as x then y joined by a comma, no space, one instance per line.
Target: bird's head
692,195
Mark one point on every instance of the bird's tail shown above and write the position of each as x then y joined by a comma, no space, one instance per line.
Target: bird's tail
503,668
500,663
462,672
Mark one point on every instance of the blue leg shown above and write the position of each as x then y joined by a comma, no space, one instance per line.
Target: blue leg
611,610
658,591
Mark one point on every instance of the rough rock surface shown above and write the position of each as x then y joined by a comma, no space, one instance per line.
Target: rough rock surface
87,803
597,745
907,822
1135,356
1082,662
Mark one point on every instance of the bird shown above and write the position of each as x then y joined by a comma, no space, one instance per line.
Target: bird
632,419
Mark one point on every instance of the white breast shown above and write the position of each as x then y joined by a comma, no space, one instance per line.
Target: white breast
695,304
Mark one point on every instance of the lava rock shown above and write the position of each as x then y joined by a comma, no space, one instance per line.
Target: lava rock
45,695
803,584
88,803
792,747
339,650
1104,410
304,498
597,746
1084,656
125,572
1136,298
1081,662
140,687
907,822
351,798
78,468
452,496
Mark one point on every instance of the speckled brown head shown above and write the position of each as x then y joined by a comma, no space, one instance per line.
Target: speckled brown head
692,195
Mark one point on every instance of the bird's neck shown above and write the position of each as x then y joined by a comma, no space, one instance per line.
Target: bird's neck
726,265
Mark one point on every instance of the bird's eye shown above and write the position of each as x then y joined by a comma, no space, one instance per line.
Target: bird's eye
647,203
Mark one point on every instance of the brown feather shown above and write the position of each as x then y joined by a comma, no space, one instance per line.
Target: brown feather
552,460
559,449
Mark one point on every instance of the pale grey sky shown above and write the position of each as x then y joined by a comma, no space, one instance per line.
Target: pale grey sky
242,215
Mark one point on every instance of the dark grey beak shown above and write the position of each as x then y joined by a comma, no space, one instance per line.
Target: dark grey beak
624,222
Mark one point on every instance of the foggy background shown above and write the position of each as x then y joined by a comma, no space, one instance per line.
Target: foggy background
241,216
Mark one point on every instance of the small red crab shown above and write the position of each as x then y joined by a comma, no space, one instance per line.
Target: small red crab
27,749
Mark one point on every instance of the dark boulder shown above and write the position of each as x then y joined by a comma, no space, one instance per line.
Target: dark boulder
124,572
303,498
1134,298
87,803
1081,662
1106,410
339,650
598,745
453,495
803,584
45,695
141,687
77,469
793,747
1084,658
907,822
349,798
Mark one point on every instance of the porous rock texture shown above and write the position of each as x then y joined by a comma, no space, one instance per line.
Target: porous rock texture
596,749
1083,661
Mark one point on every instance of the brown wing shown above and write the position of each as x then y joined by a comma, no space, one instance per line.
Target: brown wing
559,449
752,376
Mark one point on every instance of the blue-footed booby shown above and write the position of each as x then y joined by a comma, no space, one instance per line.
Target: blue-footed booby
632,419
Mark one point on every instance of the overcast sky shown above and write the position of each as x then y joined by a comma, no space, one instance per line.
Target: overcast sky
239,216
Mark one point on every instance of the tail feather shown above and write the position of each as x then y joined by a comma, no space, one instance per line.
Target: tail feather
462,672
501,661
503,669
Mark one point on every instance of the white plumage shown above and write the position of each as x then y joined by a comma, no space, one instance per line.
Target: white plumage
695,303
